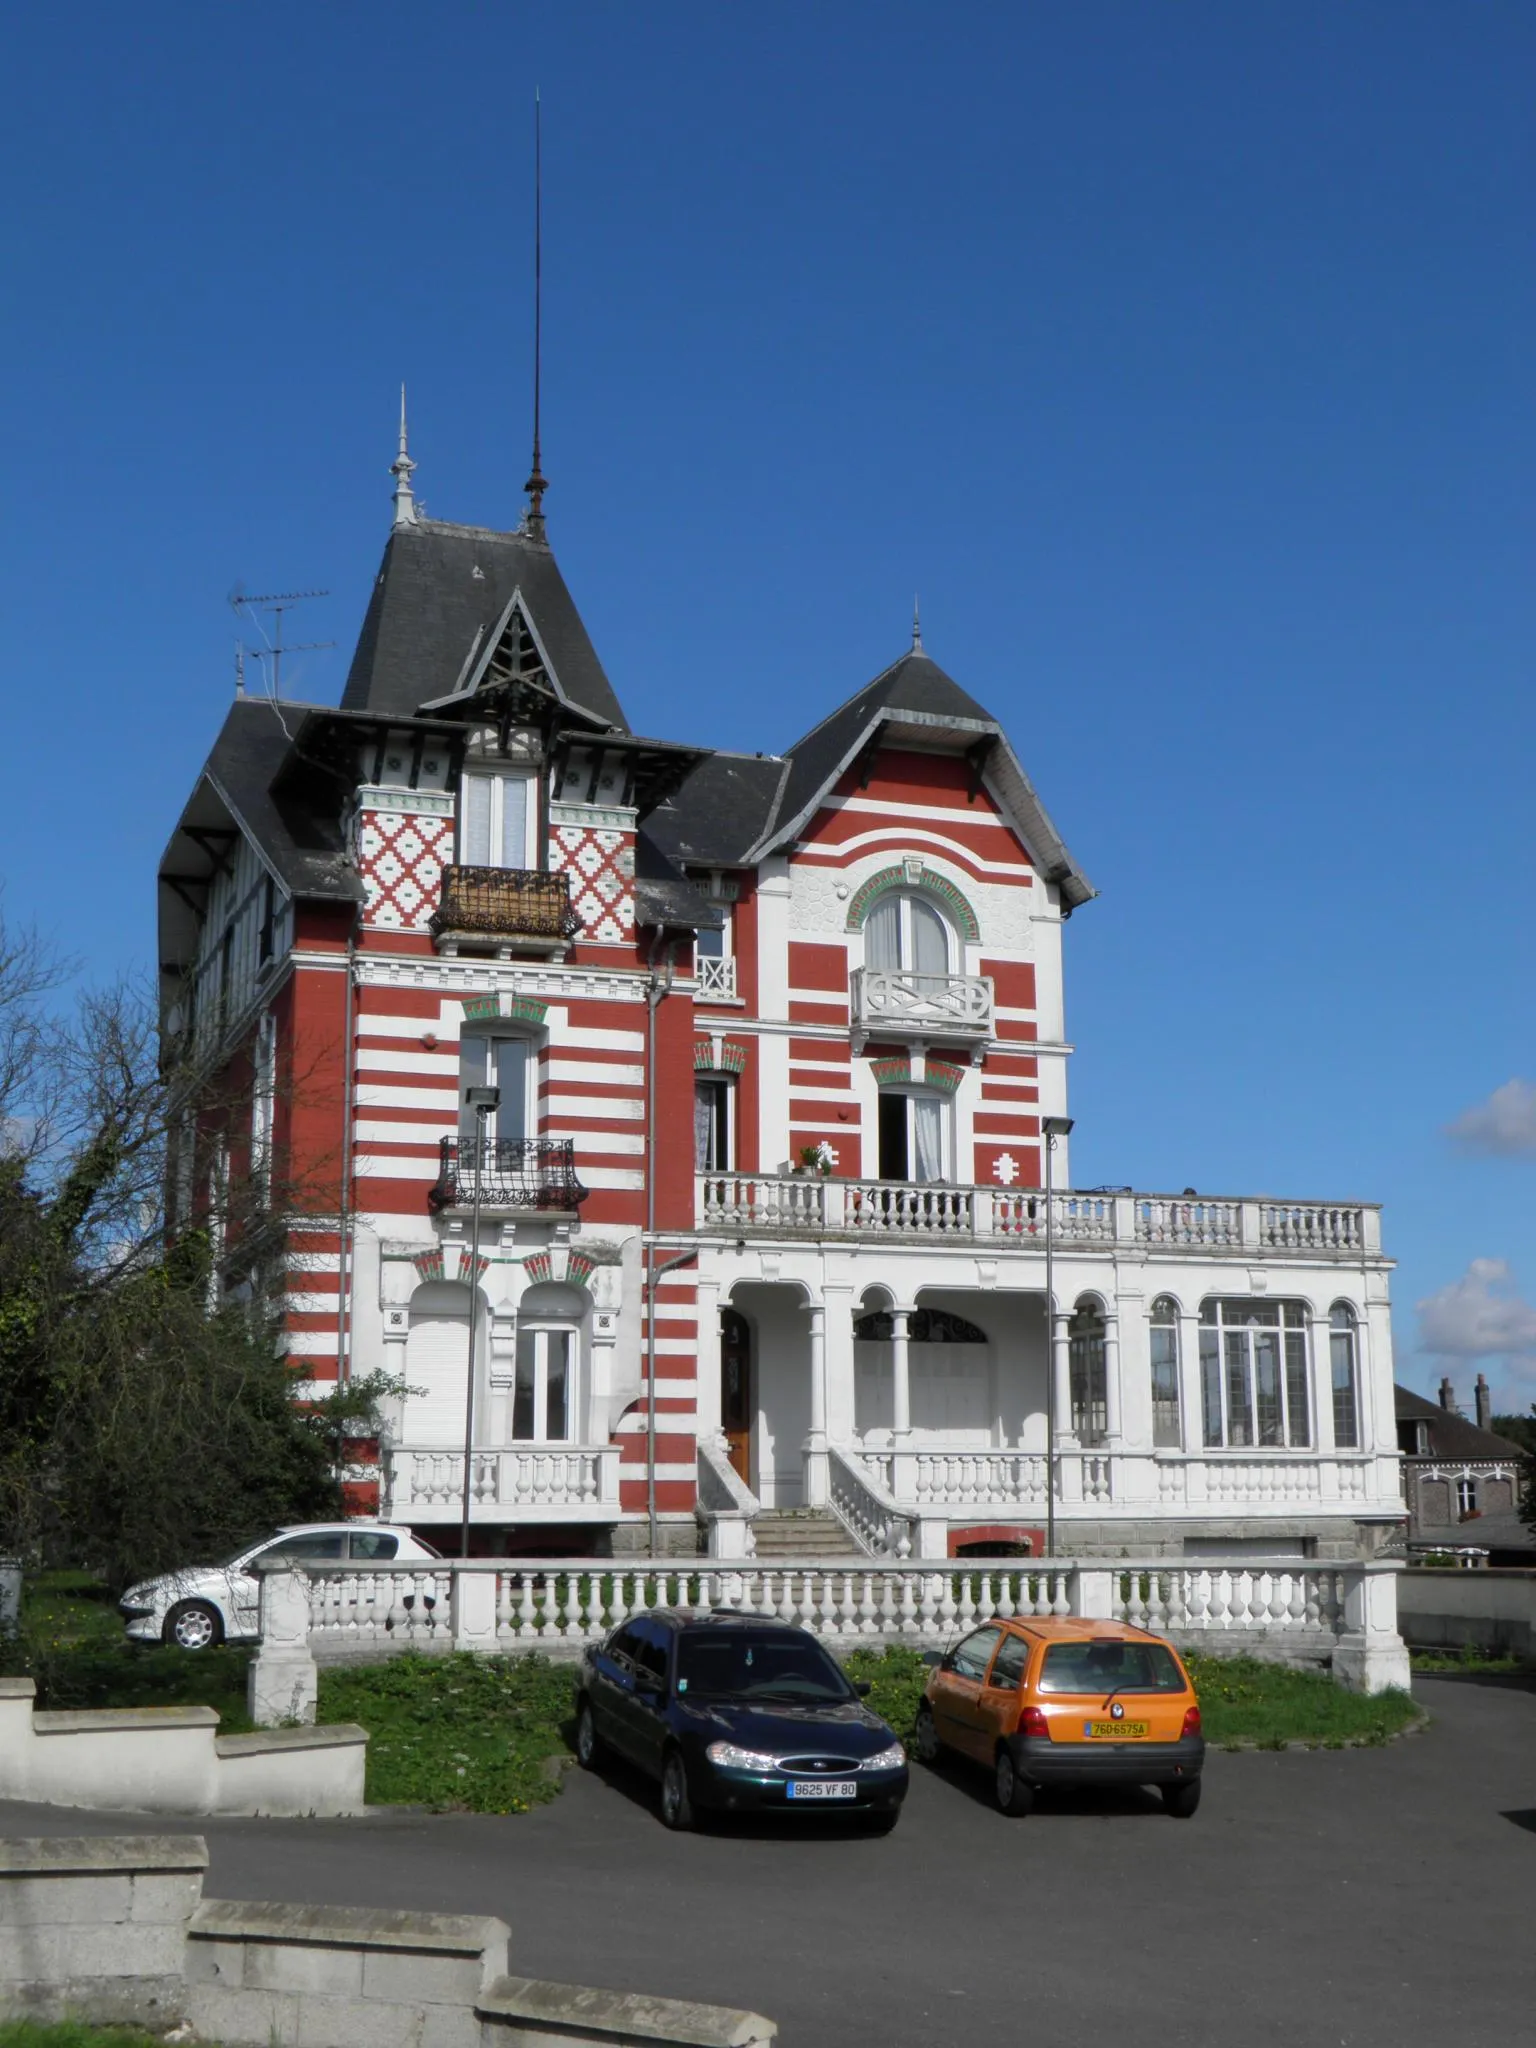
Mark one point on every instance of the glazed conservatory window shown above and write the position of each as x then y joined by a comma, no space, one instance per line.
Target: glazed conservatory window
543,1389
1089,1373
906,935
1253,1374
496,821
1343,1358
1166,1433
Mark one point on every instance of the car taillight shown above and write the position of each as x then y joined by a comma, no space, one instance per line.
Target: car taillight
1033,1722
1191,1722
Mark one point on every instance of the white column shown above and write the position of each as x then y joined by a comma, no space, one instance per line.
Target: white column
816,1479
706,1391
1061,1366
903,1461
1321,1379
1191,1411
841,1418
1112,1402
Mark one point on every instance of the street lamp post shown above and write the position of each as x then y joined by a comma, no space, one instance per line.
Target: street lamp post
482,1102
1051,1128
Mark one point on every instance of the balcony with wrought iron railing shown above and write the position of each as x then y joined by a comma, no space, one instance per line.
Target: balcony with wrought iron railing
937,1212
515,1173
929,1006
521,909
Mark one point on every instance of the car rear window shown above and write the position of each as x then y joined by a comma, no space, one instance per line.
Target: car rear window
1110,1666
751,1665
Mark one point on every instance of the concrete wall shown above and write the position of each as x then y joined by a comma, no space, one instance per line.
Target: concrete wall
172,1760
1485,1610
117,1929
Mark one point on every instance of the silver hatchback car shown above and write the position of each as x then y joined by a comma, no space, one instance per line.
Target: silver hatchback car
221,1603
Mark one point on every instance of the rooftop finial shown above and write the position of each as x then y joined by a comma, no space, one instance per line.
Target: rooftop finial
402,469
917,627
239,668
537,483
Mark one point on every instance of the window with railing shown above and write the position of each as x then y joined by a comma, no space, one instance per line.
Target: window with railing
1253,1374
1164,1333
714,1123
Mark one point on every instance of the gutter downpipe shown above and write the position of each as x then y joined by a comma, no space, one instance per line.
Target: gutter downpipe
658,988
348,1232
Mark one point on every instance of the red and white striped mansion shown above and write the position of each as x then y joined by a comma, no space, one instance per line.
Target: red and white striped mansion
771,1036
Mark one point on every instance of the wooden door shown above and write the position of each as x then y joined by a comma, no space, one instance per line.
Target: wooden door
736,1392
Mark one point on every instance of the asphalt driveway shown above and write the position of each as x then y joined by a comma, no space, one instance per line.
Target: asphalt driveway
1359,1897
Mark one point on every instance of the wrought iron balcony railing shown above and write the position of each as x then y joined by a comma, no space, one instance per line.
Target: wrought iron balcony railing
502,903
515,1173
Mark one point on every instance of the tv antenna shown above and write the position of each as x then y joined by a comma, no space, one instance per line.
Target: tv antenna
274,604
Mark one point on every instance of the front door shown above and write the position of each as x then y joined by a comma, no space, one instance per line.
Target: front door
736,1401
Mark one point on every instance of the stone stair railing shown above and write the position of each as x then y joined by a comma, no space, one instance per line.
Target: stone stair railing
726,1507
867,1509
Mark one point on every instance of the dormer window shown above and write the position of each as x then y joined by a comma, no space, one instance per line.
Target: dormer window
497,820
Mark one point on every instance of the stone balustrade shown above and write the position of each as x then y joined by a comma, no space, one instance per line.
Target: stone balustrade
1344,1614
520,1480
808,1205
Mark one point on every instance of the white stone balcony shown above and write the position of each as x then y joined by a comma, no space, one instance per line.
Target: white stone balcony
715,981
520,1482
921,1006
804,1205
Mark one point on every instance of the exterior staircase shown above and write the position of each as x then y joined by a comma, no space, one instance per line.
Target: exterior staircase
791,1536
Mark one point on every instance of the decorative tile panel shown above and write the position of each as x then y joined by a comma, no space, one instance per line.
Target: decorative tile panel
598,853
401,855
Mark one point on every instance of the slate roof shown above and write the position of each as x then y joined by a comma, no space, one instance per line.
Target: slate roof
734,808
1451,1435
1500,1529
664,896
429,602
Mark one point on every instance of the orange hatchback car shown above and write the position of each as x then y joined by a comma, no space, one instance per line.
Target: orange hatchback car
1059,1702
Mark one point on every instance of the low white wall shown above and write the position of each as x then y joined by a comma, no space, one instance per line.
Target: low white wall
1485,1610
172,1760
117,1929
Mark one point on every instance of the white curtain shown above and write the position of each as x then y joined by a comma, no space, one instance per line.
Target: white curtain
514,821
882,936
928,1137
703,1127
930,940
475,822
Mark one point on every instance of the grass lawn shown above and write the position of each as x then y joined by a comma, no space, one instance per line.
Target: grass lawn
72,2034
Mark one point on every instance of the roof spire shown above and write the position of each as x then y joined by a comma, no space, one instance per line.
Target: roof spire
401,469
537,483
917,627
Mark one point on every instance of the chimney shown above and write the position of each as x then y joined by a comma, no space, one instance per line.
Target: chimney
1484,1404
1447,1395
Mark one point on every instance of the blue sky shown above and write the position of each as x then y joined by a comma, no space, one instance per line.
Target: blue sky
1177,356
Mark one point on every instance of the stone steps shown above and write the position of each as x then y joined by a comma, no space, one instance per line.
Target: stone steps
793,1535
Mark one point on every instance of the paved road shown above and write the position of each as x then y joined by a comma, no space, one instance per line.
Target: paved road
1359,1897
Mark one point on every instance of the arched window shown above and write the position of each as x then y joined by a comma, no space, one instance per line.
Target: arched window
905,934
1166,1433
1253,1373
1343,1351
1089,1373
545,1380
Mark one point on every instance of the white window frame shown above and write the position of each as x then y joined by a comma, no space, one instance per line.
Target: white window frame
536,1332
1344,1351
906,943
1294,1321
726,1085
1163,1324
263,1101
498,780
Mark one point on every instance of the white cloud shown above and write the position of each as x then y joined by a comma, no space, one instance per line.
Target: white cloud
1481,1315
1505,1123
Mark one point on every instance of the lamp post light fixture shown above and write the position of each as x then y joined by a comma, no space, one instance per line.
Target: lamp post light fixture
1051,1128
481,1103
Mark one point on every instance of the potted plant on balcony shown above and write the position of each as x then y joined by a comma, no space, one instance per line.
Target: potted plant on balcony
817,1159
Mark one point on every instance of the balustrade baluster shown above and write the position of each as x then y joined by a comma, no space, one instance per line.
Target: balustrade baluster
937,1596
967,1610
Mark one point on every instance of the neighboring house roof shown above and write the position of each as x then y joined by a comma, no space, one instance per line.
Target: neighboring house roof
1451,1436
439,595
1501,1529
721,811
664,896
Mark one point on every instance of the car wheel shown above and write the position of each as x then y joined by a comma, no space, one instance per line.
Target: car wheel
926,1736
1014,1795
1181,1800
193,1625
676,1806
589,1744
